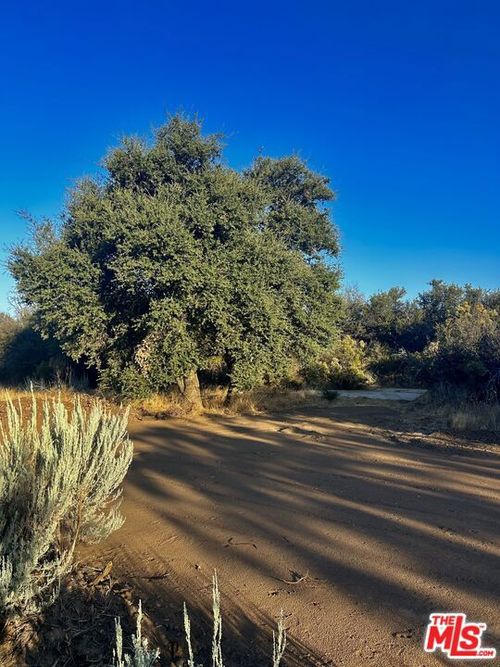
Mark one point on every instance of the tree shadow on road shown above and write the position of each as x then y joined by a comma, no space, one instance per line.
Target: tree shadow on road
396,530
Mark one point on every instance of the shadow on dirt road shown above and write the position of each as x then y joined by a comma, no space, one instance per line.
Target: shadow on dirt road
355,537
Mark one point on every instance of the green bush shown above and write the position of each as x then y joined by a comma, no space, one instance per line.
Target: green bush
411,369
448,335
343,365
60,482
467,351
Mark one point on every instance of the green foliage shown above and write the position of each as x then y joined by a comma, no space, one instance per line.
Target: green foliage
292,192
176,259
8,329
26,356
467,350
438,303
385,318
447,334
60,478
342,365
401,368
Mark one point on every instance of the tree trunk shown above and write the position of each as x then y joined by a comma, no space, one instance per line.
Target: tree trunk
230,395
190,389
229,361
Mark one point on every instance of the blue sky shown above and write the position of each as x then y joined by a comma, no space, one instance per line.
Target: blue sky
398,102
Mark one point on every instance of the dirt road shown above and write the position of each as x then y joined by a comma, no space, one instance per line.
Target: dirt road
379,533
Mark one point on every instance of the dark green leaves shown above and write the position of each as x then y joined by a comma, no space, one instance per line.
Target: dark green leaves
175,259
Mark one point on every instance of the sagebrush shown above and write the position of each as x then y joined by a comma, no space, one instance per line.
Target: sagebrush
143,656
61,471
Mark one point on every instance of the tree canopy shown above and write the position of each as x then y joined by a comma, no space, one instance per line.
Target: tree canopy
174,259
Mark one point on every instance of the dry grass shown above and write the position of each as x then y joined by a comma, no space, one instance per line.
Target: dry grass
454,410
24,399
172,404
169,404
264,399
65,393
459,411
473,417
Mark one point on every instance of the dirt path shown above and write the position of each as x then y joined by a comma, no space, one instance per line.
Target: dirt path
383,533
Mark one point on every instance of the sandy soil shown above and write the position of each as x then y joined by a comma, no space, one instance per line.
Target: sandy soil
379,531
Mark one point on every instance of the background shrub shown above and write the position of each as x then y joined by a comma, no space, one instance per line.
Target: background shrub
467,350
343,365
25,356
448,334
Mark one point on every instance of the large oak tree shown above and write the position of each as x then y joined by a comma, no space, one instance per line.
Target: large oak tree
174,259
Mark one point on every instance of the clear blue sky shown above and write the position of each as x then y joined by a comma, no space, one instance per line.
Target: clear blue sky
398,102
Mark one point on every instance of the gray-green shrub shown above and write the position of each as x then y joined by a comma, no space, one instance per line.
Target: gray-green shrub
143,656
60,482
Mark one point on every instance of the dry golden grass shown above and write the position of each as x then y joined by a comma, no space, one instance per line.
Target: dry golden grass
67,395
49,392
457,410
264,399
169,404
460,415
473,417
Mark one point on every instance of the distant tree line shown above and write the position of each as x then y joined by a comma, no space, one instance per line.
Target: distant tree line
447,334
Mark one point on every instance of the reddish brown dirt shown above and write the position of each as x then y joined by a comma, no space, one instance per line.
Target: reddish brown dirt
384,531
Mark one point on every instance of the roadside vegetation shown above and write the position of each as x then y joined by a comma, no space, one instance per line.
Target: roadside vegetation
141,655
60,484
448,336
62,467
174,273
447,340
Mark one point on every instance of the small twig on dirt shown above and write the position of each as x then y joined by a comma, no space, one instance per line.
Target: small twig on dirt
150,577
230,543
104,574
296,581
155,577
